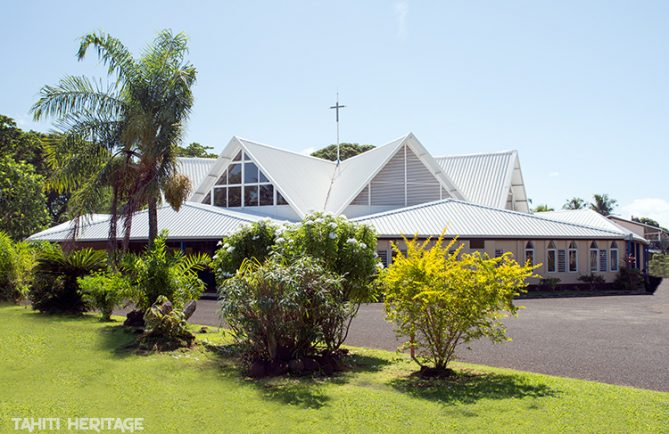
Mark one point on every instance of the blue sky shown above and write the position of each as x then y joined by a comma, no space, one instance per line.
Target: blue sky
580,89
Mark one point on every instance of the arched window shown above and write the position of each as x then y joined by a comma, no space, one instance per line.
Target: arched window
594,255
551,258
613,256
529,252
573,257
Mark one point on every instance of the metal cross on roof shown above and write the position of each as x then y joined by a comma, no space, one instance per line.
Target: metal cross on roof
337,106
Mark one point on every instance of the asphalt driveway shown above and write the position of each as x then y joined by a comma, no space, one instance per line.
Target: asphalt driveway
613,339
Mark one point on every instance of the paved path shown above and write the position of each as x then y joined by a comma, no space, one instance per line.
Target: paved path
613,339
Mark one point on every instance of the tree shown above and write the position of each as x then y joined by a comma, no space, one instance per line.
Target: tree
603,204
127,133
439,297
543,208
574,203
23,208
28,147
196,150
646,220
346,150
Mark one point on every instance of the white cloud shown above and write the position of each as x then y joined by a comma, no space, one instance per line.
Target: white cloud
554,174
652,207
308,151
401,12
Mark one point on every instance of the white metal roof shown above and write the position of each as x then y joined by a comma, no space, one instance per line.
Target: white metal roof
486,179
195,169
588,217
192,221
470,220
315,184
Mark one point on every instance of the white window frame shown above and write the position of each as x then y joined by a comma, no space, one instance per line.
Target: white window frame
573,250
243,161
614,265
529,249
593,266
552,248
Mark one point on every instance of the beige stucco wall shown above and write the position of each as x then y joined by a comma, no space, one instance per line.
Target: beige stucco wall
517,248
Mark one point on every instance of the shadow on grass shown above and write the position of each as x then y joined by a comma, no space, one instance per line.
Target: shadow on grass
301,391
119,340
468,387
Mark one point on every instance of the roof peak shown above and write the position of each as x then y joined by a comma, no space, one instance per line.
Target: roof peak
288,151
478,154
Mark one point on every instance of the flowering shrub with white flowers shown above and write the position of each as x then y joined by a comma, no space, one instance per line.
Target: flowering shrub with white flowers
252,241
334,245
345,248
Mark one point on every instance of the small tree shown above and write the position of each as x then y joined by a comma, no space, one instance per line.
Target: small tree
441,298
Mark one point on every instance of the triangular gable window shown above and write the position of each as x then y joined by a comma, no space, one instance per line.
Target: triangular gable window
243,184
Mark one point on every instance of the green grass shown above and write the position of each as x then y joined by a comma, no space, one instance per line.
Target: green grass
79,367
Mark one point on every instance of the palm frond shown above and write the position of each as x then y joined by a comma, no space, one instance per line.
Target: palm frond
74,94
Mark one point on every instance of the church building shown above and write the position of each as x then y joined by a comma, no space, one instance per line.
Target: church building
400,189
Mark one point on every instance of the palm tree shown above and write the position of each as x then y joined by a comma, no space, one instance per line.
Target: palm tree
574,203
127,133
603,204
543,208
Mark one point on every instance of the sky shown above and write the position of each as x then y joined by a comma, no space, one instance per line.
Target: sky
579,88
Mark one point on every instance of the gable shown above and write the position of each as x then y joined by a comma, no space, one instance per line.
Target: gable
403,180
493,179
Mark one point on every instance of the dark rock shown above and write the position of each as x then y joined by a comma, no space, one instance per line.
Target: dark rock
134,318
429,372
204,330
278,368
257,370
310,365
166,307
327,368
296,366
189,309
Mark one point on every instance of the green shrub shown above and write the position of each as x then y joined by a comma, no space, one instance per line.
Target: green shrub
439,298
16,262
629,279
340,247
162,272
104,291
166,327
550,283
282,311
253,241
55,288
343,247
659,265
593,279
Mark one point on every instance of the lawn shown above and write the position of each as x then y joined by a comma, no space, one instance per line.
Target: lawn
79,367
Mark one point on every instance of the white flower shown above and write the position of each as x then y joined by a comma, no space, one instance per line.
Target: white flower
226,246
280,240
332,235
255,237
220,243
333,225
363,245
309,223
231,249
352,241
379,265
215,257
319,220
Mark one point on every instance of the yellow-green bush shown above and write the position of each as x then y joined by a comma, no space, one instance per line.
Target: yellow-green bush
439,297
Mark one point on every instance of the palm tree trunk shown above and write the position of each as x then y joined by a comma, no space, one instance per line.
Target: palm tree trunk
153,220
